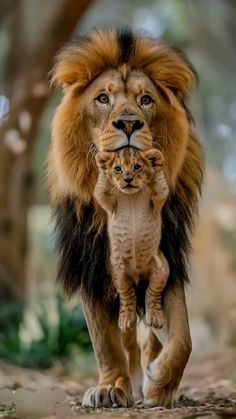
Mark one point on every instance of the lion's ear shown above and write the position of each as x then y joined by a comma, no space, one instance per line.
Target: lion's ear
68,70
154,157
102,158
167,67
182,75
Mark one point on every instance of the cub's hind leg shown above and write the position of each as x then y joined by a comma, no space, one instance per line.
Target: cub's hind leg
125,287
127,314
157,282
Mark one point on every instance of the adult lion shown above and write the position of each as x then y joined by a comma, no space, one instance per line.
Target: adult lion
124,89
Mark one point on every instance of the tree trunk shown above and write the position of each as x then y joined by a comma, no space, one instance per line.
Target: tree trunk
28,94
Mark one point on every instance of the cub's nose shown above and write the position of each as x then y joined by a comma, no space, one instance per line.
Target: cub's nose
128,179
128,124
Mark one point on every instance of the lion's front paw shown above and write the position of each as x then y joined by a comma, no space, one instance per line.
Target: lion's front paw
106,397
154,318
158,396
162,376
158,390
127,320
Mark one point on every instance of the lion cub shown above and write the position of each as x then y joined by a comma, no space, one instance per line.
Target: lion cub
132,189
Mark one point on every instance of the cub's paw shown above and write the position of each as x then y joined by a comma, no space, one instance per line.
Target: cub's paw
127,320
159,162
107,396
155,318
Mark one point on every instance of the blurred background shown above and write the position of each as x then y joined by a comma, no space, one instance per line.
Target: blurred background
39,328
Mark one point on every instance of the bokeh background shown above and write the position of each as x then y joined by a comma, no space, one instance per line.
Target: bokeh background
39,328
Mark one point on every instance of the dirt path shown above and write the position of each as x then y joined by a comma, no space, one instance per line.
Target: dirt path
208,389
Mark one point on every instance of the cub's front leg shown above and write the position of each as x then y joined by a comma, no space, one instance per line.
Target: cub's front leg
160,190
103,189
103,194
158,184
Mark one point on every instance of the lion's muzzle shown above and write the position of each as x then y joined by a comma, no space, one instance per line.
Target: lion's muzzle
128,132
128,123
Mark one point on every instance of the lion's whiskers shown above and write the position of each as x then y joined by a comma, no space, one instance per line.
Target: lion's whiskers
90,154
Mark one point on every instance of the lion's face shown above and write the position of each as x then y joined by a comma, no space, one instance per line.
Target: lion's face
124,108
121,110
112,101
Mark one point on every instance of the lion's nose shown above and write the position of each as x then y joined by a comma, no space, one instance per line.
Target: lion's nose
128,124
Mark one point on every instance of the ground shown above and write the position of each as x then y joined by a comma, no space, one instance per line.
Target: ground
208,390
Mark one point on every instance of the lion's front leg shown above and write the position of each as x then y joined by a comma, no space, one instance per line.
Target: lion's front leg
163,373
132,349
114,383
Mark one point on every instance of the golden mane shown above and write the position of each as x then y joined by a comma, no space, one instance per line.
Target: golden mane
79,64
82,62
123,68
72,170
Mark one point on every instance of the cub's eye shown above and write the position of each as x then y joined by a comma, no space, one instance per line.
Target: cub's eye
146,100
103,98
118,169
137,168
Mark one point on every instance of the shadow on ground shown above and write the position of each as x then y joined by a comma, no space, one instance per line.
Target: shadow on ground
208,390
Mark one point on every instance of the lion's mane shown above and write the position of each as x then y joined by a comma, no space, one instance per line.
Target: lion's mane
82,240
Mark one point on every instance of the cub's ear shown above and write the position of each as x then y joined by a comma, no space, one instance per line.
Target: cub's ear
154,157
102,158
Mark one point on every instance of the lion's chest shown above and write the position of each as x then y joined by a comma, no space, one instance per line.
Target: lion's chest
134,233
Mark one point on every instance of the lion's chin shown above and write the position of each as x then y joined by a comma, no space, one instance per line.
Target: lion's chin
127,146
140,143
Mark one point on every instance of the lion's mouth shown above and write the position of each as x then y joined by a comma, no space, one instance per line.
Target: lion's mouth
125,146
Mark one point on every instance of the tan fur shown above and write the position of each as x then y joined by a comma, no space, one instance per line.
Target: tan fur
134,228
82,127
79,129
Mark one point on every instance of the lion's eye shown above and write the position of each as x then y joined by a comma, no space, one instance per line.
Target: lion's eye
103,98
146,100
118,169
137,168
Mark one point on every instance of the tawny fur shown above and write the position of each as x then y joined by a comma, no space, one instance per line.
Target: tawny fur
72,169
133,198
125,66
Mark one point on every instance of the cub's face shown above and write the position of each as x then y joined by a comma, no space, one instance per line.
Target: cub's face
121,110
130,170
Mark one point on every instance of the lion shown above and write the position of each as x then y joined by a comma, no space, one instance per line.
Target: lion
124,89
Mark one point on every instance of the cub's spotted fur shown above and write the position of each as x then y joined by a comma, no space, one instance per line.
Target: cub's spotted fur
132,189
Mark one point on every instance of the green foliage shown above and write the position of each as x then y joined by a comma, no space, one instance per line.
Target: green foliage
56,342
7,410
11,316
